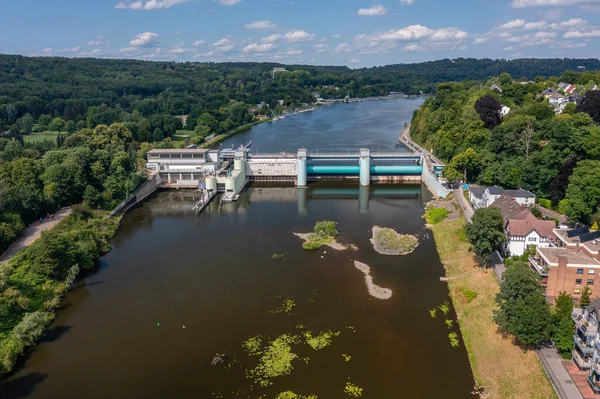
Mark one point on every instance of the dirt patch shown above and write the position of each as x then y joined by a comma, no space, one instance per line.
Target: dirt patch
374,290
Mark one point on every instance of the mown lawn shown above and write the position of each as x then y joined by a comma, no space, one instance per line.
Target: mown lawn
498,365
34,137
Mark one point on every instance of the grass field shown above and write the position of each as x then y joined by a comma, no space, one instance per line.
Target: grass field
47,135
502,368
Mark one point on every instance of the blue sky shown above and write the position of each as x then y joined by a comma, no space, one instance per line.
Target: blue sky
356,33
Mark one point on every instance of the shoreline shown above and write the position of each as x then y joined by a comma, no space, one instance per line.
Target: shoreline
499,367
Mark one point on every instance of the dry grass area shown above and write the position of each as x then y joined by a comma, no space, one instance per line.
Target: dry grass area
501,367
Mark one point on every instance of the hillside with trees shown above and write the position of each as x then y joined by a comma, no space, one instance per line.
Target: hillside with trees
555,155
34,92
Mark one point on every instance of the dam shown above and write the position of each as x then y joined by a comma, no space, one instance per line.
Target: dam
228,171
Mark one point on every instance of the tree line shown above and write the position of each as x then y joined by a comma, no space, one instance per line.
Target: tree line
555,156
62,94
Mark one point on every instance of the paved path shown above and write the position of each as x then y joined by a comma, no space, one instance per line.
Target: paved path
33,232
558,374
551,214
464,204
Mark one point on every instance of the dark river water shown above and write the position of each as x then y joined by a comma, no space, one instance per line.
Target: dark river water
178,287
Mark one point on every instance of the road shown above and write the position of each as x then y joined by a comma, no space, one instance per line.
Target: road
464,204
33,232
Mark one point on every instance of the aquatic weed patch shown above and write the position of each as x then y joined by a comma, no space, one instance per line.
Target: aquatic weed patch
275,360
353,390
320,341
292,395
287,306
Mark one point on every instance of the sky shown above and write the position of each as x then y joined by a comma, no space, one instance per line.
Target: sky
356,33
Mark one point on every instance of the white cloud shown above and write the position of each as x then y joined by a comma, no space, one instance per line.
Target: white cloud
354,61
336,36
535,25
509,48
376,10
299,36
576,34
407,2
148,4
514,24
480,40
228,2
271,38
198,43
413,47
146,39
294,51
223,42
551,3
321,48
259,48
50,50
260,25
553,14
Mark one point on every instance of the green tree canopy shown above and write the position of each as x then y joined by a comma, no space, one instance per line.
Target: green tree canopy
486,233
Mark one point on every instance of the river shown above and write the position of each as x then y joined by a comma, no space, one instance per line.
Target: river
177,288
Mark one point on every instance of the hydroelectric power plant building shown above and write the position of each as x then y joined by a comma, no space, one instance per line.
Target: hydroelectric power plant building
228,171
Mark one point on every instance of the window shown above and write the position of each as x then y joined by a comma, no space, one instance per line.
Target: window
579,271
577,291
590,282
591,271
578,281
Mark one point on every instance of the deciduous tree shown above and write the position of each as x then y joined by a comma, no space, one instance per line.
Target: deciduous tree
486,233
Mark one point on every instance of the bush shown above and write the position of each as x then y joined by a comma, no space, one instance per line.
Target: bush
326,228
31,328
316,241
436,215
468,294
546,203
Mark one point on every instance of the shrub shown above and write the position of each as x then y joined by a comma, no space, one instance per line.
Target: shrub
326,228
546,203
436,215
316,241
468,294
31,327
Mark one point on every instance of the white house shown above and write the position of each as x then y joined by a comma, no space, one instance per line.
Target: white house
490,195
523,233
504,111
523,197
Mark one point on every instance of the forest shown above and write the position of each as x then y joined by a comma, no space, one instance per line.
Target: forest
554,154
79,92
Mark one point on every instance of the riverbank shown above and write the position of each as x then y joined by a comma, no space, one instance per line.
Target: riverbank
33,281
499,366
233,132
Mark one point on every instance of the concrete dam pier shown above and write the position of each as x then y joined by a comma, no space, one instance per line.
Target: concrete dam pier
228,171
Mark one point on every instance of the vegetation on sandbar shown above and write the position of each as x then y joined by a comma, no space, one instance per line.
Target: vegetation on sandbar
389,242
324,234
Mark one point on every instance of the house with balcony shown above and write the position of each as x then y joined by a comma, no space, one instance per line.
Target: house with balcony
568,270
586,349
586,335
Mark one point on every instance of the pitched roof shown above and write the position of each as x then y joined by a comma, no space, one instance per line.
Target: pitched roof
520,193
495,190
477,191
525,226
510,208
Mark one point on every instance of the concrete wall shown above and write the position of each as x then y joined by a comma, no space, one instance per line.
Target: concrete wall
433,185
147,188
272,167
